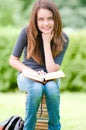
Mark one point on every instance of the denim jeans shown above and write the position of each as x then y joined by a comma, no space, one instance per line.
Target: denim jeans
35,91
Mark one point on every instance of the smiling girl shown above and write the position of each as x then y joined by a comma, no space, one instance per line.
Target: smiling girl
44,45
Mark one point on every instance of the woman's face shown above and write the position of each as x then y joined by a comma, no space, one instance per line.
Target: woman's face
45,20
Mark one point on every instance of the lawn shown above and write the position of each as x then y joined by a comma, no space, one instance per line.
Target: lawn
73,108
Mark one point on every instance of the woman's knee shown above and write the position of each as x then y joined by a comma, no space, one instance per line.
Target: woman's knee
25,84
37,89
52,87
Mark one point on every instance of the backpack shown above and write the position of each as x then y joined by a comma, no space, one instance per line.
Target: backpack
12,123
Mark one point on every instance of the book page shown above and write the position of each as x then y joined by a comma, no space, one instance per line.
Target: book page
33,76
54,75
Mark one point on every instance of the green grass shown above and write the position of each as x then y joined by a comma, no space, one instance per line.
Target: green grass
73,111
73,108
11,104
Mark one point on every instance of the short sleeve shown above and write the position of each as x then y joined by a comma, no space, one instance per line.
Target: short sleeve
20,43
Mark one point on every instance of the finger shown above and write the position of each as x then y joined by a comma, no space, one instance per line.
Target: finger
39,72
42,72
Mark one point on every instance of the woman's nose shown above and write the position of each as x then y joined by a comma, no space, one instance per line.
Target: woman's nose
46,22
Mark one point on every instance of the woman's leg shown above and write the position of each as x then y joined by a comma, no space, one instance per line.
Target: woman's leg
34,95
52,93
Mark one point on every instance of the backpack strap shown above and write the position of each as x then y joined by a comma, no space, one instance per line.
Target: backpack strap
12,123
19,125
5,123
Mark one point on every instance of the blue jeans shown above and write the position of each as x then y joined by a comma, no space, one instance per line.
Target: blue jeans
35,91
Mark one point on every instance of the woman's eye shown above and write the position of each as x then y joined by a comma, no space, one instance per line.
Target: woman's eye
40,19
51,18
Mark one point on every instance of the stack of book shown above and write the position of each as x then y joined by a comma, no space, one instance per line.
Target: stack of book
42,118
42,112
42,124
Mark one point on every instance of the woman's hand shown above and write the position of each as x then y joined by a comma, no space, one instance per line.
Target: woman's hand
47,37
41,72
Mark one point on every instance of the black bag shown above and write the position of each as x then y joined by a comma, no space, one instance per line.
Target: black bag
12,123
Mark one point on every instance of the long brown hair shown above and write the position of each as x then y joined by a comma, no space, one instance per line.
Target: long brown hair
34,35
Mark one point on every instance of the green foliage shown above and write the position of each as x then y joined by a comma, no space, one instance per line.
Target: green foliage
6,13
26,4
7,74
74,63
10,13
83,2
72,12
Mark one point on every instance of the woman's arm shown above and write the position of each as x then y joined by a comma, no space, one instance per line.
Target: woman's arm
49,61
14,59
18,65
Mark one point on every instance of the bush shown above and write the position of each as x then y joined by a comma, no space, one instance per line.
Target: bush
74,64
7,74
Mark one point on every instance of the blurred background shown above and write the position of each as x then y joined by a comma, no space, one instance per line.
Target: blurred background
14,14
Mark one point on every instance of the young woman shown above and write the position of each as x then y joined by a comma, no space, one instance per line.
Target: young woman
44,45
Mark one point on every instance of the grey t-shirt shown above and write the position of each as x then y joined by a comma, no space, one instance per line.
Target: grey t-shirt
21,46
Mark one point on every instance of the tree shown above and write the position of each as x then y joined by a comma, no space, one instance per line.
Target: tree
26,4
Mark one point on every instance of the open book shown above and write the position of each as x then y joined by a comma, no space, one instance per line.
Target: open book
44,78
